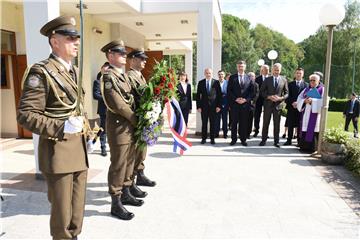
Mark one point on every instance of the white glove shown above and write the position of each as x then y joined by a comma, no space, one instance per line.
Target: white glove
74,124
90,146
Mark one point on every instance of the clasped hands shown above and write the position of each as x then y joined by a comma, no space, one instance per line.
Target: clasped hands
241,100
274,98
308,101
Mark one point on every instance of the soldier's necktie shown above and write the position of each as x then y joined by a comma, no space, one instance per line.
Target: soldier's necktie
72,74
276,82
208,86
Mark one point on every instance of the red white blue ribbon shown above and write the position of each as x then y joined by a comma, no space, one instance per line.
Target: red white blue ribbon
177,126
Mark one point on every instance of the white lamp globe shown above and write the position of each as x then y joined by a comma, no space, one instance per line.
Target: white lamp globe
331,14
272,54
261,62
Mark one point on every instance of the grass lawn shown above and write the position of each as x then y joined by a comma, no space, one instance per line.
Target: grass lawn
335,119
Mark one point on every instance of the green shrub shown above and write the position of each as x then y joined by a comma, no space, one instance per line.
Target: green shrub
336,135
352,158
337,105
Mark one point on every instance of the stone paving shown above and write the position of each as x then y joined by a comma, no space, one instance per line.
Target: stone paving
218,191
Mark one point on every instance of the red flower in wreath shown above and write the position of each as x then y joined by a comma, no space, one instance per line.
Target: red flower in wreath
157,91
161,85
170,86
166,99
163,79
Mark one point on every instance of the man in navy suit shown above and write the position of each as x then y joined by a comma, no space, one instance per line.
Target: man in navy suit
293,115
208,103
351,113
222,116
264,73
101,110
274,90
240,94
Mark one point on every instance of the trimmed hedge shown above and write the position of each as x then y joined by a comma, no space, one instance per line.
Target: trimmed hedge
337,105
352,161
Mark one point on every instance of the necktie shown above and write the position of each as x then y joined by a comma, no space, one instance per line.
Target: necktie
72,74
352,107
208,86
241,81
276,82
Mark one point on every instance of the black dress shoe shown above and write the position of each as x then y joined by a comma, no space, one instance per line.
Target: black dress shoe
137,192
103,152
212,141
244,144
256,134
276,144
142,180
118,210
287,143
262,143
203,141
232,143
225,136
128,199
284,135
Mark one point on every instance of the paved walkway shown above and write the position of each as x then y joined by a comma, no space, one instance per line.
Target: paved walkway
211,192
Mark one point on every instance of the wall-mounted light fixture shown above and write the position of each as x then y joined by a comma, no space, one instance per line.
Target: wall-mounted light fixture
157,35
184,21
85,6
97,30
139,24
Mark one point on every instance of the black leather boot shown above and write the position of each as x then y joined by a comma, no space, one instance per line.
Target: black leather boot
118,210
142,180
103,151
137,192
128,199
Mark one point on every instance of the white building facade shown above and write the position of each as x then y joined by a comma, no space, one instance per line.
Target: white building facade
160,27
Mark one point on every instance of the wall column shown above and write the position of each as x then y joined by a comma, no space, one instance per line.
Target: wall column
205,45
217,57
37,46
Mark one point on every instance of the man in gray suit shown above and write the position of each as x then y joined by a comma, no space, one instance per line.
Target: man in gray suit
274,90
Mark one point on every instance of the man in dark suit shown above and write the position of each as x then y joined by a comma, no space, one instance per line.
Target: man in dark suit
351,113
274,90
264,71
240,94
101,109
222,116
208,103
253,103
293,115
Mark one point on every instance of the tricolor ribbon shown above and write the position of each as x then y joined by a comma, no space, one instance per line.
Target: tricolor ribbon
177,126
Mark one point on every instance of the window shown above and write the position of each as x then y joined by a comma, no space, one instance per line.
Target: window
5,82
8,49
8,42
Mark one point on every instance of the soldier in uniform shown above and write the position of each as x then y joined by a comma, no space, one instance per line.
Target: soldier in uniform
120,123
137,64
47,108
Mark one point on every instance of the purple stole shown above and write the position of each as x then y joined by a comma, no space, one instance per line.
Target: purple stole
313,117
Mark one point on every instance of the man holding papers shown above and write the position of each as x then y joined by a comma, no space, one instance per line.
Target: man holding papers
309,104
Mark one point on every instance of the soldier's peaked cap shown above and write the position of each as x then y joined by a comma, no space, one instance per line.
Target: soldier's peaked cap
114,46
64,25
137,54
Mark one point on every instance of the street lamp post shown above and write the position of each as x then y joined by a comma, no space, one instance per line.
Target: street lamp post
272,55
330,16
353,77
261,62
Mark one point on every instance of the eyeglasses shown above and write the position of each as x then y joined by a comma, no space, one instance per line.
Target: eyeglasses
312,80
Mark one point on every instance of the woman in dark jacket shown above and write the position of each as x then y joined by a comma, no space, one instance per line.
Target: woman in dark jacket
184,93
